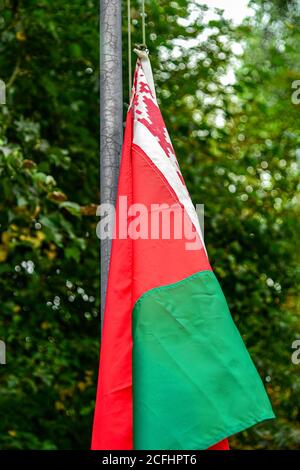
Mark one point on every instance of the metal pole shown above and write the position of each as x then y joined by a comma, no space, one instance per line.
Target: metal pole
111,116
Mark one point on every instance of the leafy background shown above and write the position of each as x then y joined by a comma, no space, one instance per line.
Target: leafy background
238,142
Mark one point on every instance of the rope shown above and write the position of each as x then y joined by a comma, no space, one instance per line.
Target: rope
129,46
143,15
141,47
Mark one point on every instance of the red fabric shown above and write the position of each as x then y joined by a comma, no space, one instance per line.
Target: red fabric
222,445
112,428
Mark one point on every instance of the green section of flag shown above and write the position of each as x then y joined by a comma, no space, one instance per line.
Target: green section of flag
194,382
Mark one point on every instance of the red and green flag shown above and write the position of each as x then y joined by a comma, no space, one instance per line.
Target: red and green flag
174,371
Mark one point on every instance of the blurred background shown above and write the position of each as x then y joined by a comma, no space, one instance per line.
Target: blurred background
227,87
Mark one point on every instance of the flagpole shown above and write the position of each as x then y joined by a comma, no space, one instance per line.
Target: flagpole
111,116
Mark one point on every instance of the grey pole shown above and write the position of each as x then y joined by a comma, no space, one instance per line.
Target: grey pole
111,116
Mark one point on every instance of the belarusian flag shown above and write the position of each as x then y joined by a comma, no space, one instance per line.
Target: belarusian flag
174,371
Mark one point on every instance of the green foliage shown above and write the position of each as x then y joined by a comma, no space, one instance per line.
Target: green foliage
238,145
49,256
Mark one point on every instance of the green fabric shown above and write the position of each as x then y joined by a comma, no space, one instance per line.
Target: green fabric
194,382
